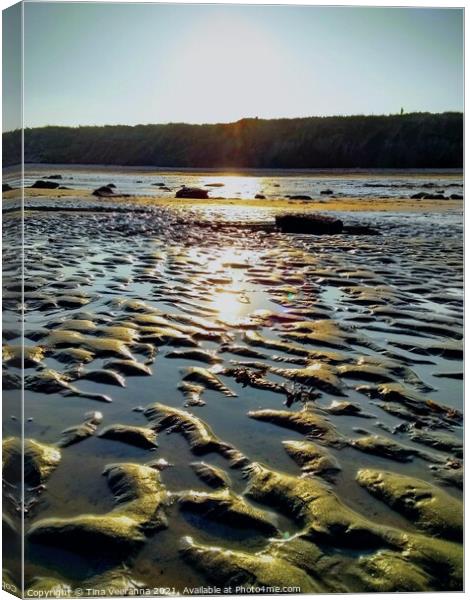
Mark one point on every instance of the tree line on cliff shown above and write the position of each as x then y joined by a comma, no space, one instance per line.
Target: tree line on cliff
414,140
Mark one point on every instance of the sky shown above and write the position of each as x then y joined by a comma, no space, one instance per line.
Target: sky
141,63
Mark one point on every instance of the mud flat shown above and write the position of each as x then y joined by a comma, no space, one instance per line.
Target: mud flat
223,404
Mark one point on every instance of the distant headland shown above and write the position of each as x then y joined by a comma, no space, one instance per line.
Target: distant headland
413,140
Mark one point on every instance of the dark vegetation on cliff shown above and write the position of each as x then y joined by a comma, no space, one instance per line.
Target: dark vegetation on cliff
415,140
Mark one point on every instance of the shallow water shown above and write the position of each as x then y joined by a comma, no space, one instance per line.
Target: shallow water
226,275
247,184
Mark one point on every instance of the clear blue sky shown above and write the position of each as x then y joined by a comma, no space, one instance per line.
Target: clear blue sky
115,63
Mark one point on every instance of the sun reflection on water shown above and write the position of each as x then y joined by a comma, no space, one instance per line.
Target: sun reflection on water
230,297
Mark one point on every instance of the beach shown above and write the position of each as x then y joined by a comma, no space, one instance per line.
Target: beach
211,399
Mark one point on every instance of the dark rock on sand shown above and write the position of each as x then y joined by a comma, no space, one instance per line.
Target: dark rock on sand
197,193
103,191
307,223
300,197
427,196
6,187
45,185
260,197
326,192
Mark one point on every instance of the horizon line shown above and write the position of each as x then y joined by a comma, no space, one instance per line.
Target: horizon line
255,118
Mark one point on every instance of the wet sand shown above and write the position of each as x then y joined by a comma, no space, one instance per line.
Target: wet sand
282,204
267,409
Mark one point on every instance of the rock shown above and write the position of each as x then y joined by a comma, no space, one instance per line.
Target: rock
141,437
427,196
186,192
6,187
429,507
456,197
360,230
45,185
260,197
139,497
309,223
300,197
103,191
326,192
53,177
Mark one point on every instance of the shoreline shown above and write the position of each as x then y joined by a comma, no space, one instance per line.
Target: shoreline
350,204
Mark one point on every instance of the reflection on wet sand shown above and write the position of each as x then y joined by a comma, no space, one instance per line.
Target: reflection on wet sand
274,409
